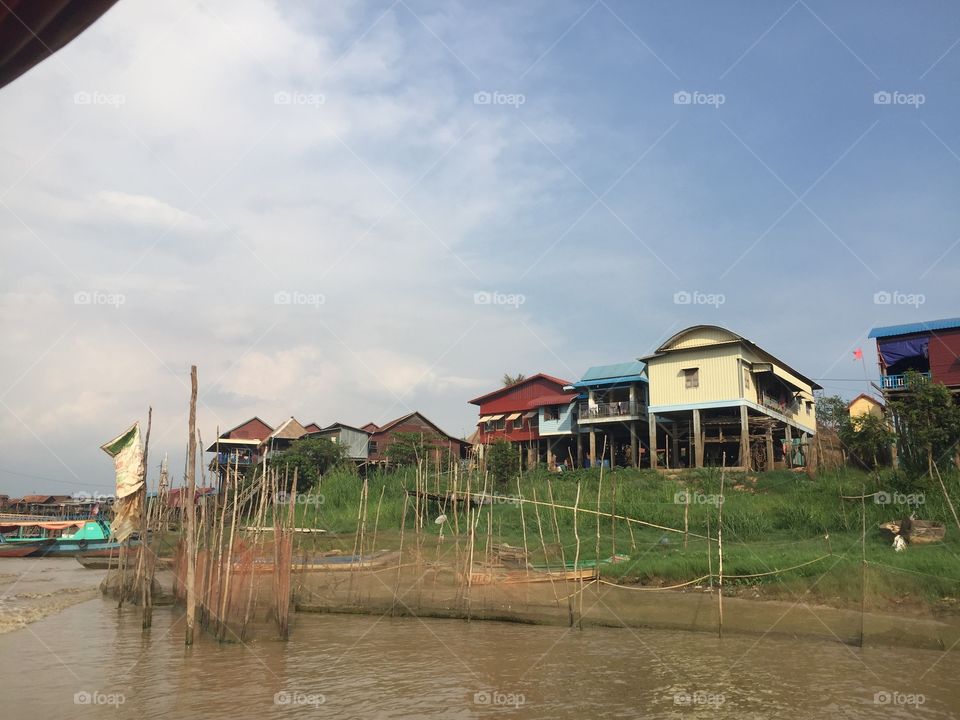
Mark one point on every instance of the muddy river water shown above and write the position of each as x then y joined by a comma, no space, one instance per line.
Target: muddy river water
67,653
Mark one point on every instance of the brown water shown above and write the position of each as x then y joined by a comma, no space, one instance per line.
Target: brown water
81,659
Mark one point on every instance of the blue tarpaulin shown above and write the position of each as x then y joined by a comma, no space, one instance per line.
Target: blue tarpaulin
893,351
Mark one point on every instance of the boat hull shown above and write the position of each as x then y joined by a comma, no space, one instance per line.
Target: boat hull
97,549
23,549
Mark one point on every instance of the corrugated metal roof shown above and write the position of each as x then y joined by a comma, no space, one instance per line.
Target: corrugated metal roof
617,370
919,327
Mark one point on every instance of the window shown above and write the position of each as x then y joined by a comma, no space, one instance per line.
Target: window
500,424
691,377
551,412
372,447
511,425
809,407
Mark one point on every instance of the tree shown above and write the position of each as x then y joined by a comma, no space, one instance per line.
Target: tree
927,422
311,458
503,462
509,379
867,437
406,448
832,412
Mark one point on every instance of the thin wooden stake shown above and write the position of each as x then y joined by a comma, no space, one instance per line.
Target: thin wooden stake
191,510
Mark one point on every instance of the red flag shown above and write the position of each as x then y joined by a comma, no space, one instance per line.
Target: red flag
858,354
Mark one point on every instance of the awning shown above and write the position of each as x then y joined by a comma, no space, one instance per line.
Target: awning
485,418
514,416
529,415
893,351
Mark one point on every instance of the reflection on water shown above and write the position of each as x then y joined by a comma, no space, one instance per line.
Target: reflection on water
86,661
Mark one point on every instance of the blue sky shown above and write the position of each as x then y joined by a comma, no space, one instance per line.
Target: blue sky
306,200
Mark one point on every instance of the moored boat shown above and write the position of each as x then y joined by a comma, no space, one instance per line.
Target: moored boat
61,538
22,549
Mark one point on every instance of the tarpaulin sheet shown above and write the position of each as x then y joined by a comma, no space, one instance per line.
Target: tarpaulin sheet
893,351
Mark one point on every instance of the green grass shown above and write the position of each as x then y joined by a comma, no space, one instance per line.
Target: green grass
771,521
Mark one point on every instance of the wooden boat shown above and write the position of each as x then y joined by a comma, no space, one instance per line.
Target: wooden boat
69,537
329,563
497,576
22,549
915,532
102,562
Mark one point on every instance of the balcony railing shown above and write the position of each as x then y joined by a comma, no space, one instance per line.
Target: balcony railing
241,458
898,382
609,410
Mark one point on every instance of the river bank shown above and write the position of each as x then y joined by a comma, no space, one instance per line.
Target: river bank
90,659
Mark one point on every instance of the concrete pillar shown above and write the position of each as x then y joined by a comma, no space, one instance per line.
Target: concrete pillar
579,450
634,445
612,454
652,420
593,447
697,440
550,460
674,461
633,399
744,437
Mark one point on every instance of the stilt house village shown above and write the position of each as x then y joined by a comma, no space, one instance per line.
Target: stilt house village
707,396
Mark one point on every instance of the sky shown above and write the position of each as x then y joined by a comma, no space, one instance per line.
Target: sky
346,211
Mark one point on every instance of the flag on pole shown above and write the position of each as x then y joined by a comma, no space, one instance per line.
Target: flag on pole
858,354
128,462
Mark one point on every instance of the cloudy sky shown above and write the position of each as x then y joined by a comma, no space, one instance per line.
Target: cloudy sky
349,210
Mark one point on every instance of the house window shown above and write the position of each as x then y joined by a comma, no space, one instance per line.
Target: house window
511,425
551,412
500,424
372,447
809,407
691,377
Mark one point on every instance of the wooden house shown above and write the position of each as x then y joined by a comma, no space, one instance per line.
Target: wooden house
931,348
381,436
613,415
355,441
239,446
864,404
714,395
538,414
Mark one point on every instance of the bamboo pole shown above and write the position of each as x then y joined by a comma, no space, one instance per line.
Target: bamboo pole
863,562
576,557
723,470
191,510
947,495
228,570
686,515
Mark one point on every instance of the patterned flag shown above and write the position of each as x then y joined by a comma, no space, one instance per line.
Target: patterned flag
128,461
858,354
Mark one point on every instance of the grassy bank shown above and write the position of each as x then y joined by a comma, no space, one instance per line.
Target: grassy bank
799,537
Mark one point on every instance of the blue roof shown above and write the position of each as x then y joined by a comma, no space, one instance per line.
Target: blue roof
624,372
909,328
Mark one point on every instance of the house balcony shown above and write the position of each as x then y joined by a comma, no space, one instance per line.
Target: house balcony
898,382
243,459
611,411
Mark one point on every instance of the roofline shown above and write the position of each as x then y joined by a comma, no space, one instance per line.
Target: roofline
505,388
865,396
925,326
343,425
663,350
255,417
429,422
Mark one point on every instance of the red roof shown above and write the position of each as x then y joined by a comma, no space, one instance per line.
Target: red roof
525,381
553,399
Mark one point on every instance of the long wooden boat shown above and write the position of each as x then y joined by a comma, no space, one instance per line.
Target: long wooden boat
101,562
494,576
22,549
68,537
